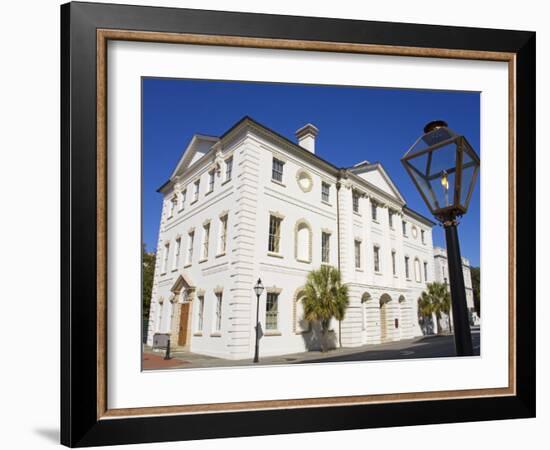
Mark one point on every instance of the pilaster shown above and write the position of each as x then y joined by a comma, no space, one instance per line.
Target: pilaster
240,326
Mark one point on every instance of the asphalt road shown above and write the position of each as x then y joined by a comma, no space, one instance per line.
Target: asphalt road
427,347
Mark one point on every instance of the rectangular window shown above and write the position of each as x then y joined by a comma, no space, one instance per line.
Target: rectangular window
165,258
200,314
357,254
218,311
376,258
171,206
355,202
417,274
274,234
211,179
228,168
374,209
277,170
423,236
197,186
407,267
223,234
177,251
390,217
325,192
394,269
205,240
190,244
404,228
426,272
183,196
271,311
325,247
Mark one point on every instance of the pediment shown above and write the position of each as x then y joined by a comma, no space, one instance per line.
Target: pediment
197,148
376,175
183,282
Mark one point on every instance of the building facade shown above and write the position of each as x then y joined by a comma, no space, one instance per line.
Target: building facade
252,204
441,267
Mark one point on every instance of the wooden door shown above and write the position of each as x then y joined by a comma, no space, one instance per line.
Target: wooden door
184,321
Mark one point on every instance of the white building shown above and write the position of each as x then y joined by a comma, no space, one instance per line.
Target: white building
442,276
252,204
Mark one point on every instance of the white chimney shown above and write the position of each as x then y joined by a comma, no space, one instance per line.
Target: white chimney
306,137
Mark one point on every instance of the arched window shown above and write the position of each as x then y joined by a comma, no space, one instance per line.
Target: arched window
303,241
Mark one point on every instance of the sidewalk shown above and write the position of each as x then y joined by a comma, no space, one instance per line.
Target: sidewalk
192,360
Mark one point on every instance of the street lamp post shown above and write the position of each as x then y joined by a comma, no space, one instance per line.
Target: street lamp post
444,167
258,289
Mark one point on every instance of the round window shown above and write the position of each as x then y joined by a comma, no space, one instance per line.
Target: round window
305,181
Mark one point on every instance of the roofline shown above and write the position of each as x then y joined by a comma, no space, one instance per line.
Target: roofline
280,136
160,188
365,183
418,216
379,165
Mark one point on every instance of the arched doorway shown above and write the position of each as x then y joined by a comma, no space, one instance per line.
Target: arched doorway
183,295
405,319
386,332
370,319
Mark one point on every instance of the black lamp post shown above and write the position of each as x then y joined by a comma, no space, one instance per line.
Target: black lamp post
258,289
444,167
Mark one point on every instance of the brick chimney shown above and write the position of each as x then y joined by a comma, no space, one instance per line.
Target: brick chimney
306,137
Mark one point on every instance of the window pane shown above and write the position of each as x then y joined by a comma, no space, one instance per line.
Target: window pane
228,168
271,311
206,239
277,170
218,311
274,234
325,247
201,314
211,180
325,194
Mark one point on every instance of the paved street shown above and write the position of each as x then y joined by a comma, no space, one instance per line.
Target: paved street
424,347
420,347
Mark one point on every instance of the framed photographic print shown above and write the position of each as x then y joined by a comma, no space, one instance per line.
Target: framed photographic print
277,224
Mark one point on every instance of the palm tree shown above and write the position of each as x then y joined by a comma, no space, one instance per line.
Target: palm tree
325,297
435,300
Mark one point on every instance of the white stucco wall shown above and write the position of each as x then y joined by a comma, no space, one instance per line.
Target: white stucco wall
249,198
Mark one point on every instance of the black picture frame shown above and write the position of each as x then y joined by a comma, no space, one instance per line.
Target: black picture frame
80,425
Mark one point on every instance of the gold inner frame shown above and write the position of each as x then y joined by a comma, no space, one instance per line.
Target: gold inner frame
104,35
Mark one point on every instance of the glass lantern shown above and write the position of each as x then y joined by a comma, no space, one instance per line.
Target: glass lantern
444,167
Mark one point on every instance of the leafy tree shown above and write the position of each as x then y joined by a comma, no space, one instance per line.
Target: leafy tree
325,297
435,300
476,280
148,271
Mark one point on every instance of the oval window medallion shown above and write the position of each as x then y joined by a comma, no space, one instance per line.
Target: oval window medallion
304,180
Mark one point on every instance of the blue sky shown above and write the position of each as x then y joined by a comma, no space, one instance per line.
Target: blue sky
355,123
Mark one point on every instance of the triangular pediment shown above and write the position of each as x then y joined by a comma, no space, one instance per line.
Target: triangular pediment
197,148
376,175
183,282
